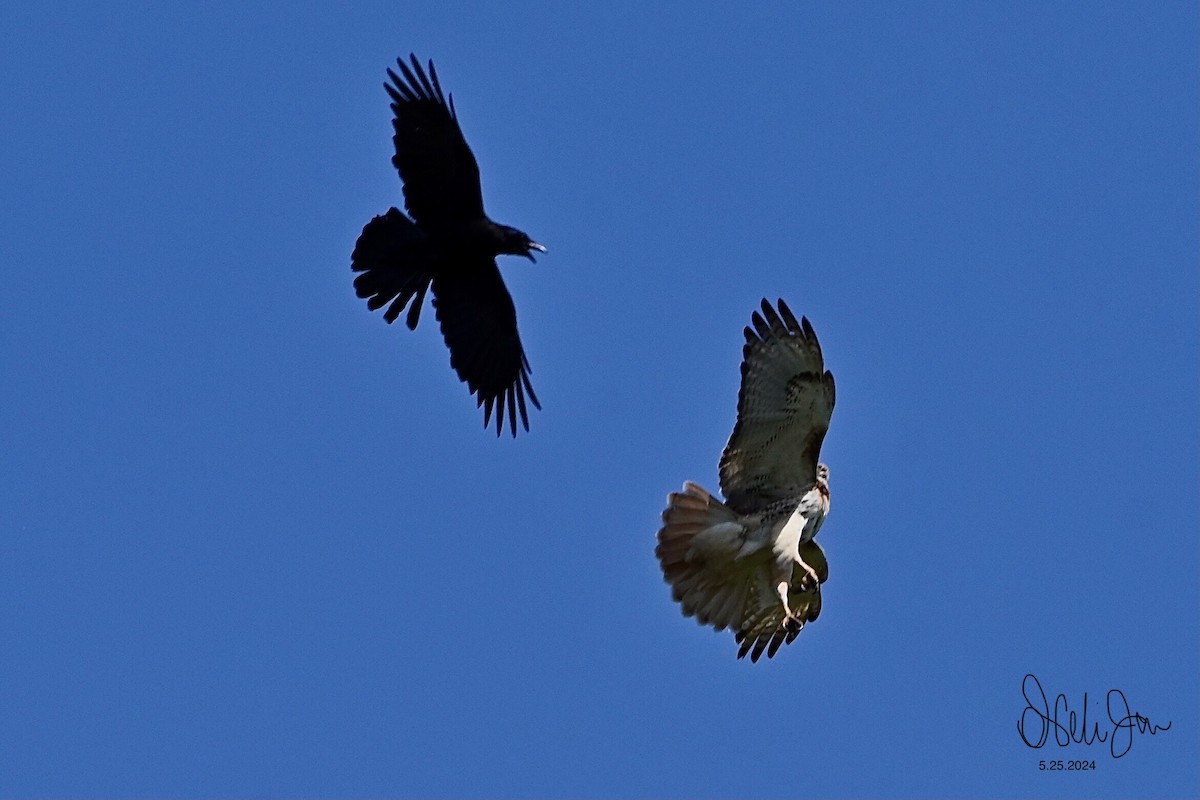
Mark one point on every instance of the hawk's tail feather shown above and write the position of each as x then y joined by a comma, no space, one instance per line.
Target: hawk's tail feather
723,577
696,527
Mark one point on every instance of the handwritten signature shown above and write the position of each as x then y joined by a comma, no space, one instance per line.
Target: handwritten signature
1037,711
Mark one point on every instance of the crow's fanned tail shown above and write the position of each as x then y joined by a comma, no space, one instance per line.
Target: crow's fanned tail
394,266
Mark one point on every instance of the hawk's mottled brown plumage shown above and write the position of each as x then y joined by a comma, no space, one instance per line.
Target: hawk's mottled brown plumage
750,563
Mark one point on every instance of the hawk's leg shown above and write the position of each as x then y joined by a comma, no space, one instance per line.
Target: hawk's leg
810,580
790,621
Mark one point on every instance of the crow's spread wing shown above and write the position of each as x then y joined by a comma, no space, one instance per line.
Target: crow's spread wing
784,406
441,178
479,325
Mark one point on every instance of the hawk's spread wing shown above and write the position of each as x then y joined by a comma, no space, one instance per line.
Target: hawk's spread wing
479,324
441,178
784,407
702,548
762,625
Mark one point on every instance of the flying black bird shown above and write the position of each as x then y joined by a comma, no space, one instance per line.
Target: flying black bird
449,244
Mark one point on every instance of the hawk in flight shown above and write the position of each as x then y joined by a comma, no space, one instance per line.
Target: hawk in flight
447,243
750,563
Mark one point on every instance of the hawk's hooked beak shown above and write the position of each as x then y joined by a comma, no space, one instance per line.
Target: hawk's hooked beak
535,246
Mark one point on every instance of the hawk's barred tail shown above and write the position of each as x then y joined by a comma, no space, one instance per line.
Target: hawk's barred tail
698,528
724,574
393,259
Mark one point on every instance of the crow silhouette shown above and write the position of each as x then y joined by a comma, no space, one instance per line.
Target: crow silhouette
449,245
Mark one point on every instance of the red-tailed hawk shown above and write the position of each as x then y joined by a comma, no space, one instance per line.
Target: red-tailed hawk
750,563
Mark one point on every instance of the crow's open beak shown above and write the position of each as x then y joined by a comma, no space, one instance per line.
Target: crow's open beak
538,247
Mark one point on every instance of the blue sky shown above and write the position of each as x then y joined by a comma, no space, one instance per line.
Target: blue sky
255,542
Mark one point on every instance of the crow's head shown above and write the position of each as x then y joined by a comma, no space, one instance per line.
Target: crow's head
517,243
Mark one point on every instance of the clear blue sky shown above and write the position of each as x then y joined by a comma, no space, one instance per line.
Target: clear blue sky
255,542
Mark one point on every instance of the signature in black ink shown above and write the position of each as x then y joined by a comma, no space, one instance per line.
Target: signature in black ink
1120,737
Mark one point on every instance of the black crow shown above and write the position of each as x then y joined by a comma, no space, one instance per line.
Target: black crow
450,244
